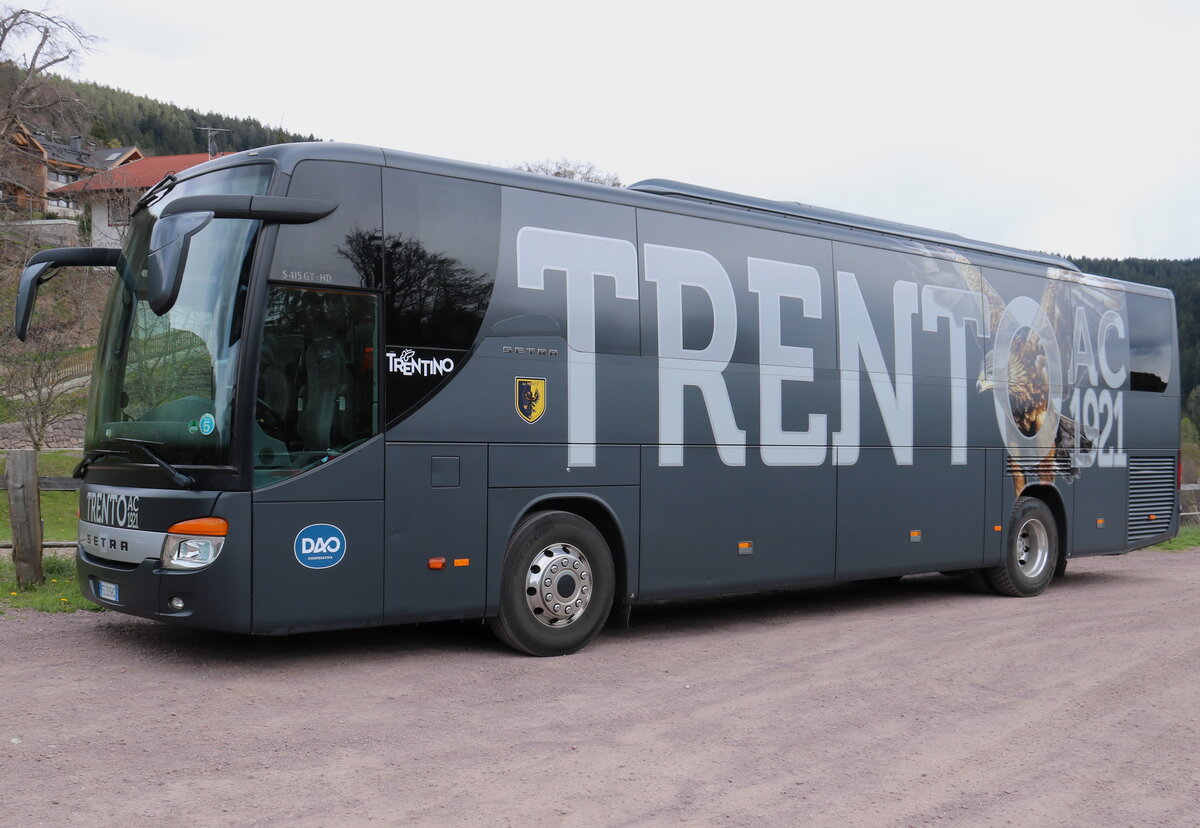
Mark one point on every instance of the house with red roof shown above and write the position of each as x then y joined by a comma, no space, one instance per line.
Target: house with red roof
42,161
112,194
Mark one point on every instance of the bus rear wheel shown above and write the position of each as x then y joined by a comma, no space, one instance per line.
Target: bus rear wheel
1032,553
557,585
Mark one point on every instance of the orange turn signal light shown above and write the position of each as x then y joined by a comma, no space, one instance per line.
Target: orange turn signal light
437,563
462,561
996,529
201,526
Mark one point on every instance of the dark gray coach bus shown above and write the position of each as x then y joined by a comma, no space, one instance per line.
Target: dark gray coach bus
339,386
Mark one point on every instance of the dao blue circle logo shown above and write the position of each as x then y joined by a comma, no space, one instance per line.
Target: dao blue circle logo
320,546
208,424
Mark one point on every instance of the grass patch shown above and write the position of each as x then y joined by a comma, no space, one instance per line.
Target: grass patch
51,463
60,592
58,462
59,522
1188,537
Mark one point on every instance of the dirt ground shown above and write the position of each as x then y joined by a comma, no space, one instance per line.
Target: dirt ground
910,704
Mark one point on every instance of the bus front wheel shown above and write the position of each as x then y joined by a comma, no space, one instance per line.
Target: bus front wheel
557,585
1032,552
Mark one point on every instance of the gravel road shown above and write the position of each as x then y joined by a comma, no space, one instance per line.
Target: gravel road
909,704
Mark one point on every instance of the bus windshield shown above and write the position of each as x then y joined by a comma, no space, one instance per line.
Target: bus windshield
169,380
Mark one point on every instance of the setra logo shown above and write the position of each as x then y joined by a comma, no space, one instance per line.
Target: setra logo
320,546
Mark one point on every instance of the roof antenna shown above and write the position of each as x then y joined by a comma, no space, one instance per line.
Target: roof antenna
212,144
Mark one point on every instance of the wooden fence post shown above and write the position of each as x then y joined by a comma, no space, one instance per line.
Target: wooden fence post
26,513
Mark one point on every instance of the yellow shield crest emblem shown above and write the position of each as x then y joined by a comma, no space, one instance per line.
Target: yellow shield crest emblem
531,398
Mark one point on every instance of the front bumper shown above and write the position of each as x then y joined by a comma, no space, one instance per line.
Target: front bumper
213,598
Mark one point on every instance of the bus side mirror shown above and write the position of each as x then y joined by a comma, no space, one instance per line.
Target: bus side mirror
186,216
44,266
169,243
31,279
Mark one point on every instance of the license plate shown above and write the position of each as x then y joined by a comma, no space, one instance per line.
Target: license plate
108,591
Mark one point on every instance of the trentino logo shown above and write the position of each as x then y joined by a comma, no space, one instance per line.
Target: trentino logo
408,364
320,546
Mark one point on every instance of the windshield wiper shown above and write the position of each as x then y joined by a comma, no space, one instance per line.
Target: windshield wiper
154,193
91,456
180,479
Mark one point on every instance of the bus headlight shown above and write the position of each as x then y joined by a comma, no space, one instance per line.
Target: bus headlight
194,544
190,553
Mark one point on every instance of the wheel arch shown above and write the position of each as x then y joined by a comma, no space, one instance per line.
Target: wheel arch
601,514
1053,500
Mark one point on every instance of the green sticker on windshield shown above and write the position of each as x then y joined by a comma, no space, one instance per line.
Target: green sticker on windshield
194,427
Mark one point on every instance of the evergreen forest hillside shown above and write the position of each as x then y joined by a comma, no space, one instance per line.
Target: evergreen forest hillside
116,118
158,128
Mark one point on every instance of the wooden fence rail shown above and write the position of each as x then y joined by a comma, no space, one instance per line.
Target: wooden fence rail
49,484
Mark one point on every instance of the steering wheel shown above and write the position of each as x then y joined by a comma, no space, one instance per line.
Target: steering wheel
268,419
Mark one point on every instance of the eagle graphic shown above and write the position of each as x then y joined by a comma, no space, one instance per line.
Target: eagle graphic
1031,399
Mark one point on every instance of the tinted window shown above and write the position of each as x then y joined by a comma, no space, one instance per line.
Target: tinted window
440,243
317,393
1151,333
344,248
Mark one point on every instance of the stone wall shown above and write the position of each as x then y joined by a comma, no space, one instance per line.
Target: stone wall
67,434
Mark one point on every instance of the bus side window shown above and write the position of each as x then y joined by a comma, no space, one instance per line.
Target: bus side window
441,246
317,388
1151,325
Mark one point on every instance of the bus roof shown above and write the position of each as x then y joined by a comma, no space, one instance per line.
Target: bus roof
839,218
660,193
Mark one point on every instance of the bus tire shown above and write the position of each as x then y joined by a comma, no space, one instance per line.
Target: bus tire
1032,554
556,585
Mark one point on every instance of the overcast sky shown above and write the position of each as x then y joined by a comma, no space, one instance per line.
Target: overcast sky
1069,127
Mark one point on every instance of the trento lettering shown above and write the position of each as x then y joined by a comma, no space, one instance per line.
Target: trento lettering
581,259
1023,332
112,509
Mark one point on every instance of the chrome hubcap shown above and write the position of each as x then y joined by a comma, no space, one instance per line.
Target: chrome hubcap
558,585
1032,545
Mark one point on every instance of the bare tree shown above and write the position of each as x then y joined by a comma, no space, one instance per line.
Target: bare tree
38,381
569,168
52,41
37,376
32,43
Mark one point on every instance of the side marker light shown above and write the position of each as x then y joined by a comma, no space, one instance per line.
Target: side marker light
462,561
996,529
437,563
